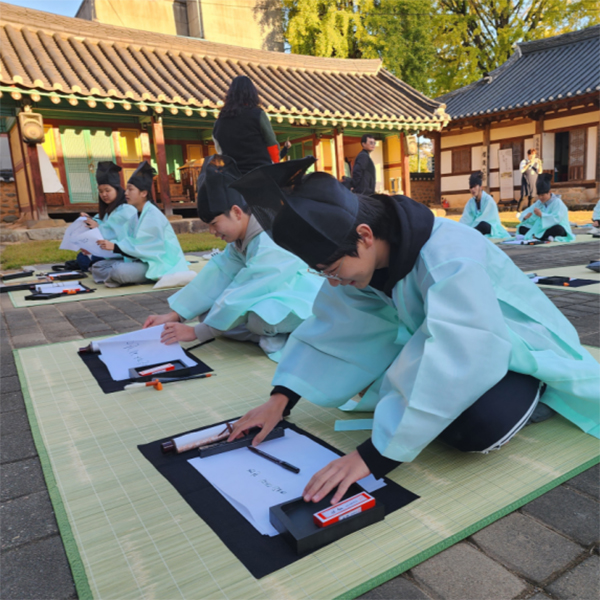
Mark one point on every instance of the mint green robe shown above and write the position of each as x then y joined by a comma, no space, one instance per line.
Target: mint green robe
488,212
463,316
554,212
119,223
264,279
153,241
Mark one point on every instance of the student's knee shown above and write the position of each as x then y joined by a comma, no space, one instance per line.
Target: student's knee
484,228
257,325
522,229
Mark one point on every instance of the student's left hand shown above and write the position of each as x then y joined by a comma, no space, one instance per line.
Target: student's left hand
537,211
342,472
91,223
177,332
105,245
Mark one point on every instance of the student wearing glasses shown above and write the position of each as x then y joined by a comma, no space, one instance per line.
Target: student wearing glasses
451,339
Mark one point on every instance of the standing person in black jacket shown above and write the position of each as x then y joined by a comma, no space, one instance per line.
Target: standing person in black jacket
363,173
243,130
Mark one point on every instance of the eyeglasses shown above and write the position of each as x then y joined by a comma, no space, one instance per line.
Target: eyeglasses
332,277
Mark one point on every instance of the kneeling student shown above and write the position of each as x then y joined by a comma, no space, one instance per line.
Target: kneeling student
252,291
450,336
115,217
150,249
481,212
548,218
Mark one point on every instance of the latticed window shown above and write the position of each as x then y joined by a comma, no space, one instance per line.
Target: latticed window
461,160
576,154
517,152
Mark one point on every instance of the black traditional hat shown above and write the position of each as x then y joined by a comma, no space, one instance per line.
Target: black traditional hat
215,197
475,179
107,173
142,177
310,215
543,183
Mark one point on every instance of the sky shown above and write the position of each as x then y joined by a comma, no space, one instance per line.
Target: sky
67,8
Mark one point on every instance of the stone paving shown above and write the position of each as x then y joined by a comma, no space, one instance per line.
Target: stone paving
547,549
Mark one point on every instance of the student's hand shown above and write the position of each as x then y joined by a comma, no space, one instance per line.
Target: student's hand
154,320
537,211
342,472
265,416
84,215
85,252
177,332
526,216
91,223
105,245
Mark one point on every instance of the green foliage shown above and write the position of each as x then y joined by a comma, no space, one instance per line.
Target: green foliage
433,45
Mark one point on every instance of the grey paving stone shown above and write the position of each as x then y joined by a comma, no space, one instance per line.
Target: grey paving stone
38,566
21,478
581,583
588,482
13,422
568,512
30,339
10,384
526,547
26,519
7,367
11,401
399,588
16,447
464,573
539,596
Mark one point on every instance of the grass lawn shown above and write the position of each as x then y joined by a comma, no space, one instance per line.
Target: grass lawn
16,256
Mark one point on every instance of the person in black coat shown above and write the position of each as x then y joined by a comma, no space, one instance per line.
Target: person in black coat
363,173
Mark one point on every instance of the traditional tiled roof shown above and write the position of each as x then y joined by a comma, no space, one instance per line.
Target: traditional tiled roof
65,56
538,72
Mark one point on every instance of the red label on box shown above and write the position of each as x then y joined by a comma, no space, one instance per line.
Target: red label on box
344,509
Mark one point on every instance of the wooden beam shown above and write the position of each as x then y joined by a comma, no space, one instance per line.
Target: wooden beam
436,137
319,155
158,138
486,166
405,166
338,140
36,180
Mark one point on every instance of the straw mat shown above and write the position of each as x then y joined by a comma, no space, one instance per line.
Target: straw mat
101,291
128,533
579,272
580,238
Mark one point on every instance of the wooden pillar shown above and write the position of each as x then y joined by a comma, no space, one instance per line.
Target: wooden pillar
338,139
436,138
23,152
486,166
539,130
405,166
318,150
158,137
36,179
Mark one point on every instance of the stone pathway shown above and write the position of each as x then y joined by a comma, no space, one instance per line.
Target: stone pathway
547,549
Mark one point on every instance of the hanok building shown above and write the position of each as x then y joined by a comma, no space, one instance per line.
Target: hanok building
113,93
546,96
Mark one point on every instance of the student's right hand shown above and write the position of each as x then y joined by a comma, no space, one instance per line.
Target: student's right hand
177,332
154,320
265,416
526,216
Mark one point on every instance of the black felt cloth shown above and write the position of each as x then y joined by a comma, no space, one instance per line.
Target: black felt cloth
260,554
565,281
101,374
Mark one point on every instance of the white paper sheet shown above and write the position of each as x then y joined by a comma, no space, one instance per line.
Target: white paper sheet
58,286
78,235
138,349
253,484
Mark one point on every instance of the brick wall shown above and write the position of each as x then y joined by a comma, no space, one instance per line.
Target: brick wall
9,205
423,191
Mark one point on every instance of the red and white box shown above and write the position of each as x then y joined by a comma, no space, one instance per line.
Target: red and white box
155,370
347,508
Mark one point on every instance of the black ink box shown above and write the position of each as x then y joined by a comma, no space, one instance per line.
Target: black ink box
294,520
243,442
180,370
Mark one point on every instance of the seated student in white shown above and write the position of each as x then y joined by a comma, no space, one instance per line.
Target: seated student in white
115,217
548,218
254,290
451,338
150,249
481,212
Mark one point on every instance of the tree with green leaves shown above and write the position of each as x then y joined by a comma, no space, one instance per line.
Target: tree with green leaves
434,45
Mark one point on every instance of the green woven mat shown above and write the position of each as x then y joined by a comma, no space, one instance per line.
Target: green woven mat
128,533
101,291
580,238
578,271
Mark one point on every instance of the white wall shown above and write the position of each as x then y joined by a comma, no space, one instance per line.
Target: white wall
592,149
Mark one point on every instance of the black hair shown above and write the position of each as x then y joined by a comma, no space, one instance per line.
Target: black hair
530,151
365,137
207,216
241,94
105,209
376,212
